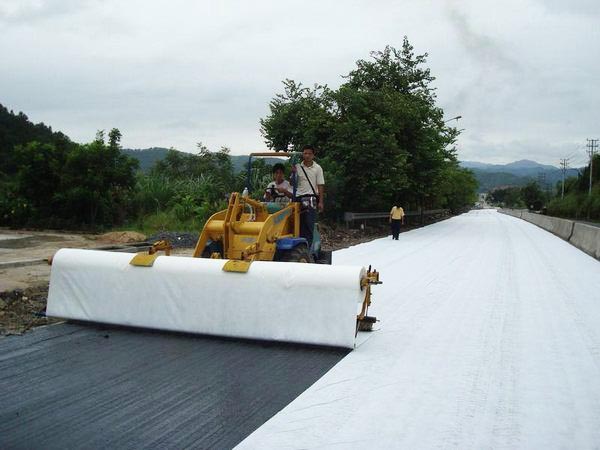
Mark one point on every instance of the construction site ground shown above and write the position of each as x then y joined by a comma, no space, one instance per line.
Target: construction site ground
25,274
488,337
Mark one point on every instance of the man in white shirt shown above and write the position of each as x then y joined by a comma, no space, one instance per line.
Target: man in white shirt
310,191
279,190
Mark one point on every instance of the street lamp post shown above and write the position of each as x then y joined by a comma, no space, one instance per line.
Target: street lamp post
454,118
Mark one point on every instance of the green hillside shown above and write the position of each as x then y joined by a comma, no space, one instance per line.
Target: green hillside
147,157
17,129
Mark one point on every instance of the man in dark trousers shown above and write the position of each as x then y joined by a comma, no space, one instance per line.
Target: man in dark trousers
396,218
310,192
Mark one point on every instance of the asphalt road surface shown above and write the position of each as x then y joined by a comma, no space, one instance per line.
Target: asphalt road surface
84,386
489,337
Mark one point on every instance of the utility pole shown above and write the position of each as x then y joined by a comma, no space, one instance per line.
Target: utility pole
592,145
542,180
564,165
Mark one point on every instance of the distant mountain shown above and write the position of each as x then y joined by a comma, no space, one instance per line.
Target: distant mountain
239,162
518,173
146,156
528,164
149,156
523,167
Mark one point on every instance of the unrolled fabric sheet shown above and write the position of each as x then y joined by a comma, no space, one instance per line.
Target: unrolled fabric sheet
291,302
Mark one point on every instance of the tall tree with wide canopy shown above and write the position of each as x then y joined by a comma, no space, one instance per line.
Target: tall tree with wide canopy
380,134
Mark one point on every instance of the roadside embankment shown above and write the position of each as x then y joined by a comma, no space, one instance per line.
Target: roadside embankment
583,236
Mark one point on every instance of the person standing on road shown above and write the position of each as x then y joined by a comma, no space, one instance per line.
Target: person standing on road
310,192
396,219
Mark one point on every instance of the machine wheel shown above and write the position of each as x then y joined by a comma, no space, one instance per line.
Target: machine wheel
297,254
324,257
212,247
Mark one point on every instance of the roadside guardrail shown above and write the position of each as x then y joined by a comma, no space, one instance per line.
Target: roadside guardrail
351,217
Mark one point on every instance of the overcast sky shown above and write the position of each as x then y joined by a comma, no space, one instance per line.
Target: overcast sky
523,74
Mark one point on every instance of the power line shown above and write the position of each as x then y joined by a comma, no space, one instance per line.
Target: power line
592,145
564,165
542,182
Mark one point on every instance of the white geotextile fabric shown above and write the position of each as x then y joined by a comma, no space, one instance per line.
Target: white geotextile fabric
292,302
489,339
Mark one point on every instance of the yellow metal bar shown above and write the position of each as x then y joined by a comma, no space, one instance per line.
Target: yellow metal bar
214,226
274,154
247,227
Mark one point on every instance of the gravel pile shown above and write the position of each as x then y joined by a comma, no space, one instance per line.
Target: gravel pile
177,240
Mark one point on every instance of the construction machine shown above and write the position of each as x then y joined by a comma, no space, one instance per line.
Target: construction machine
251,230
251,276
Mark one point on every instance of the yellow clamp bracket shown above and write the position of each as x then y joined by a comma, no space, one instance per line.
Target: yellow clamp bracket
234,265
364,322
144,259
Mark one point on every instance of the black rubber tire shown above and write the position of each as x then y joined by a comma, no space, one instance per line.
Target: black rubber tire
324,257
297,254
211,248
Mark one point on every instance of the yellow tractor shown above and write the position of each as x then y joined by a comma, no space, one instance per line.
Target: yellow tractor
250,230
231,287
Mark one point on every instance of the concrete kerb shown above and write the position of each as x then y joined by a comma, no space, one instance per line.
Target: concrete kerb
511,212
560,227
131,248
586,238
23,263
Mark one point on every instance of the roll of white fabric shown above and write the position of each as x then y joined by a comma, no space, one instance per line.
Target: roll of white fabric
291,302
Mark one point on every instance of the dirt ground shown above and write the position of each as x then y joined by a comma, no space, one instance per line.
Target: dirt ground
24,288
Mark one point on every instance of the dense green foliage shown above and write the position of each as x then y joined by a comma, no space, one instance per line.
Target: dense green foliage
16,129
183,189
53,182
509,197
67,186
380,137
577,202
529,196
382,140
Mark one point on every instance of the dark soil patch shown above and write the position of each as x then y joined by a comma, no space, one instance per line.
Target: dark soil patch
21,310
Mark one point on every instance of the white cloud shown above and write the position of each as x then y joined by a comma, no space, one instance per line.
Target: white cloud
171,73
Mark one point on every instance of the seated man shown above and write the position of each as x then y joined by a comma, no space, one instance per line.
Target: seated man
279,190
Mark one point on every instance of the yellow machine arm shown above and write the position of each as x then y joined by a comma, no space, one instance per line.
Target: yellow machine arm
247,231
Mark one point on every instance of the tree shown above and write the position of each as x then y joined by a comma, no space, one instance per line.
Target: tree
69,186
38,177
509,197
379,134
96,182
533,196
458,188
18,130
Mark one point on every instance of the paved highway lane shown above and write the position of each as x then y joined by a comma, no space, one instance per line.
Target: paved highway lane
83,386
489,338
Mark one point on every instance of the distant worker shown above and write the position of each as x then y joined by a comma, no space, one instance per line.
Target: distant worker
279,190
396,218
310,192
